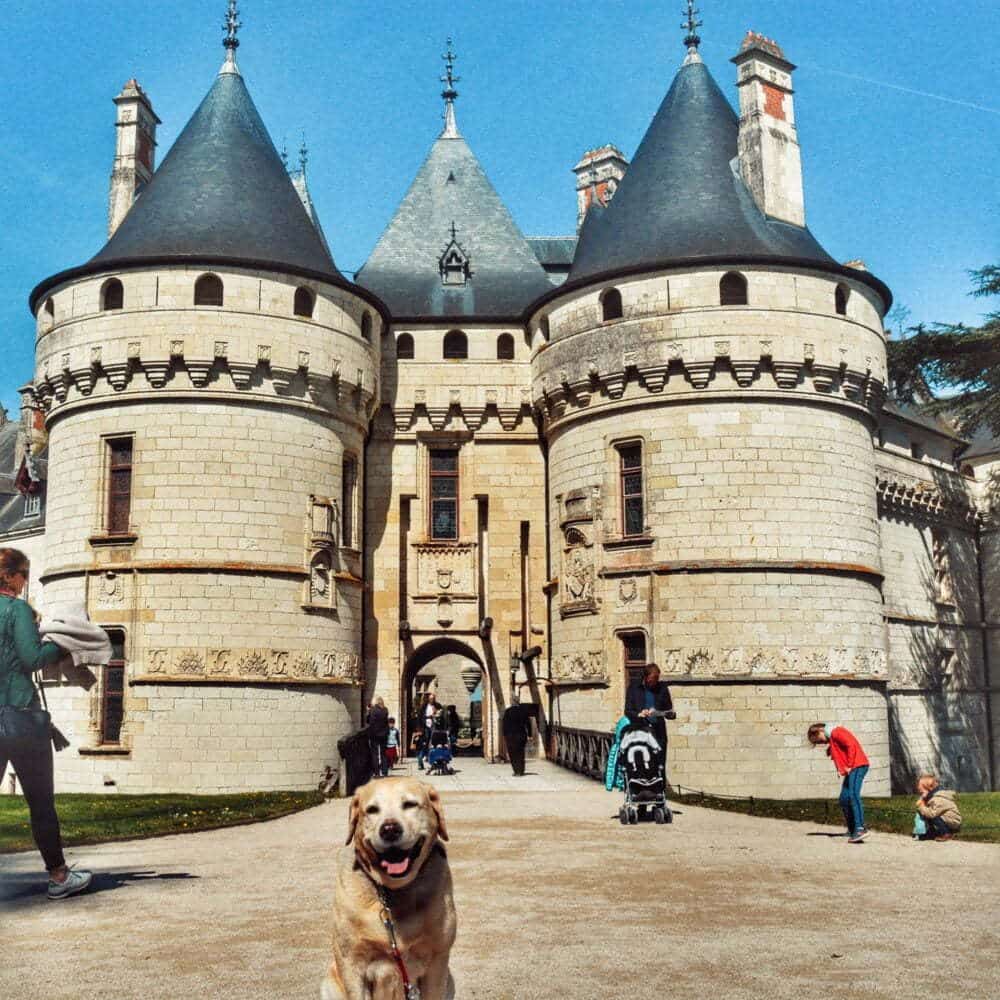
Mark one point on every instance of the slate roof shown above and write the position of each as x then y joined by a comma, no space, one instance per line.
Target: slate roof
682,198
12,517
553,251
983,443
403,269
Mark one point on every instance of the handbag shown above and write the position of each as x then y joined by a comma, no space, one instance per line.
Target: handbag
30,723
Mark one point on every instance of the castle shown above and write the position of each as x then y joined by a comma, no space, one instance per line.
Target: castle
666,438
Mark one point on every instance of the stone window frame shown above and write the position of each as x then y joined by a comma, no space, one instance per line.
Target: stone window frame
841,299
349,513
728,294
456,498
116,664
629,667
366,326
448,353
506,347
304,302
203,280
428,441
616,537
117,302
611,301
97,700
408,350
108,442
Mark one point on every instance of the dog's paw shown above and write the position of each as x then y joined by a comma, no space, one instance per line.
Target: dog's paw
329,992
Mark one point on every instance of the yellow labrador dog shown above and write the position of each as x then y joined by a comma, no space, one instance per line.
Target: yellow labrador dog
394,863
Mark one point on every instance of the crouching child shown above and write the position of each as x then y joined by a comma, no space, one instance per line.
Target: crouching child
937,816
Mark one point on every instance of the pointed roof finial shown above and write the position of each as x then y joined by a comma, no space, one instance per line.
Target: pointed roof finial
692,40
449,94
284,152
303,154
231,43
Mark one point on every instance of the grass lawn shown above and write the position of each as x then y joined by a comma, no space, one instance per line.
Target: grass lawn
980,811
93,819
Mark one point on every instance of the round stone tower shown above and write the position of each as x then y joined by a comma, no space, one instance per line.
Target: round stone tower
708,378
208,379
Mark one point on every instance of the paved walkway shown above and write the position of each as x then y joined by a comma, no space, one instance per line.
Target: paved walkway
556,901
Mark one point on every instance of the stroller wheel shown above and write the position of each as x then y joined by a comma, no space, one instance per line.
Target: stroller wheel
633,815
658,816
623,816
668,816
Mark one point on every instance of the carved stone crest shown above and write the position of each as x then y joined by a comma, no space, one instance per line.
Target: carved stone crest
444,578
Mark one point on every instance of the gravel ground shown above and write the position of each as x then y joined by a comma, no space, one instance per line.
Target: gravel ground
555,899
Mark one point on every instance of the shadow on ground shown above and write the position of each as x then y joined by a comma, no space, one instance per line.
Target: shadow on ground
25,889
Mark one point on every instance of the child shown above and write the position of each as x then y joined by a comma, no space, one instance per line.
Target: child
392,745
937,816
849,758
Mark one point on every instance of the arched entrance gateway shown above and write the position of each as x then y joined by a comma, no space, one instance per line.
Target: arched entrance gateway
455,672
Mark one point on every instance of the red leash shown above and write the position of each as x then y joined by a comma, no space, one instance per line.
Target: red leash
410,991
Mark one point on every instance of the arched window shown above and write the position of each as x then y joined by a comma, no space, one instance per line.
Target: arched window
305,302
50,310
611,304
456,345
840,298
505,347
208,290
733,290
366,326
404,347
112,295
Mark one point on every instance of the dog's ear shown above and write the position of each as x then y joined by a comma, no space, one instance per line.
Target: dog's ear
435,801
355,815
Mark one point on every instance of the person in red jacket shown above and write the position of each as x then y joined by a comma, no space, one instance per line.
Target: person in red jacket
849,758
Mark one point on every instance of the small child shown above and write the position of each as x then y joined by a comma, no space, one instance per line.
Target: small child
852,764
392,745
937,816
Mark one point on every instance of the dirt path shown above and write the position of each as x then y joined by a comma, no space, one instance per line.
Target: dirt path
555,900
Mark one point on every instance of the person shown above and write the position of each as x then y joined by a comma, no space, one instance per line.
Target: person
378,731
28,748
454,725
648,694
937,816
391,746
851,762
516,727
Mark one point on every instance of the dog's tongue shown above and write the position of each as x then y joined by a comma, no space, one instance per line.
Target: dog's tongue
395,869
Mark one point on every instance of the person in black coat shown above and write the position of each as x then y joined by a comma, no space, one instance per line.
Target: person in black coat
378,733
649,694
516,733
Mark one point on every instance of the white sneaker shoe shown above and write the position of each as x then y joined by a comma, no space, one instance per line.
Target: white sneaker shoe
76,881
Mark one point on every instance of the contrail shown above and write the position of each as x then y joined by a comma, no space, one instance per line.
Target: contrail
908,90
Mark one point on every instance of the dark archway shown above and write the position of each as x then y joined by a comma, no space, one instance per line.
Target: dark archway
424,656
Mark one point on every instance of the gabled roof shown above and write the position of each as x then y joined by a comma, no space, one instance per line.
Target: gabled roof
403,269
222,191
682,198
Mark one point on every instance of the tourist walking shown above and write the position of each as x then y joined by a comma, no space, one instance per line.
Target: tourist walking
378,732
851,762
516,733
646,695
392,745
25,729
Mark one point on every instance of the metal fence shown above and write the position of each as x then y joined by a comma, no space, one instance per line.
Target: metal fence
582,750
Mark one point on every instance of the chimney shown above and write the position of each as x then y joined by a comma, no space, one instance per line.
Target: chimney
598,175
32,433
770,160
135,151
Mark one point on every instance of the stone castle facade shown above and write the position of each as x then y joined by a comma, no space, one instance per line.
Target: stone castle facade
664,439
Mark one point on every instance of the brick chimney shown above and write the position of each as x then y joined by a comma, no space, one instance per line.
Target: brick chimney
598,175
770,159
135,151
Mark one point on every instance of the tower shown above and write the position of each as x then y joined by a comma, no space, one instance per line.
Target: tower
598,175
707,381
135,151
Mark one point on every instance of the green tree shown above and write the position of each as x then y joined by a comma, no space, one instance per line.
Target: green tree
953,368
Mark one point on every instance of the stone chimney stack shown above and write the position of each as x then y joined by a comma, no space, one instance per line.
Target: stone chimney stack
770,159
598,175
135,151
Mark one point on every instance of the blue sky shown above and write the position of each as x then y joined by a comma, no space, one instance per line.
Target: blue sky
905,181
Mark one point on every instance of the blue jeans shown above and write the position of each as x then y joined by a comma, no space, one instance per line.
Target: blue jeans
850,799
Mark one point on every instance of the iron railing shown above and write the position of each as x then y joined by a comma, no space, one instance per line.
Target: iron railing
582,750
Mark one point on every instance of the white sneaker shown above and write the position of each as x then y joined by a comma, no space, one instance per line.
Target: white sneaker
76,881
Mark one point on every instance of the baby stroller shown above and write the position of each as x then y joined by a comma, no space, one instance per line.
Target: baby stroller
439,759
643,759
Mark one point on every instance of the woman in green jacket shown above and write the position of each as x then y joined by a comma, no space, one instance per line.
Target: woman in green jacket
30,751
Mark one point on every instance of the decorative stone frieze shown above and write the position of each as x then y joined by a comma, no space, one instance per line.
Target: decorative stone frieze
774,662
580,668
910,497
203,665
446,568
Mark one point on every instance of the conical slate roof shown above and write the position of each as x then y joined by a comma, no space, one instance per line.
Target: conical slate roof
682,198
404,268
221,192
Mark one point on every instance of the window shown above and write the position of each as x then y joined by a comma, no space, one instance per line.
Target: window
840,298
404,347
32,505
208,290
634,650
348,488
733,290
456,345
505,347
305,302
366,326
113,690
630,472
50,309
112,295
917,450
444,494
119,485
611,305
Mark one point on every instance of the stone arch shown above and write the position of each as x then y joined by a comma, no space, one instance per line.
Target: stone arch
733,289
112,295
611,305
840,297
208,290
305,302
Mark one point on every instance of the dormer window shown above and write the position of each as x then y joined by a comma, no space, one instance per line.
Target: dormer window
454,263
